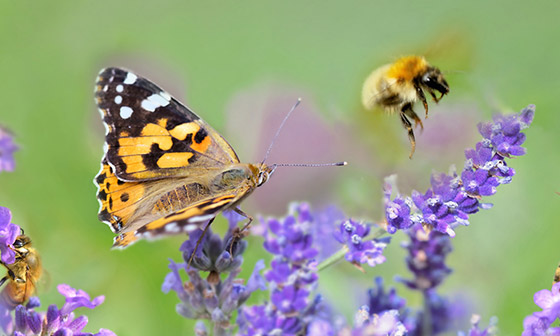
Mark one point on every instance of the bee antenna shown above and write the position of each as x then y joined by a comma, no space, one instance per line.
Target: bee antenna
447,72
342,163
279,129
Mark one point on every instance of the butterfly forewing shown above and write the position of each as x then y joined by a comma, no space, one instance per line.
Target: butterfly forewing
151,135
165,170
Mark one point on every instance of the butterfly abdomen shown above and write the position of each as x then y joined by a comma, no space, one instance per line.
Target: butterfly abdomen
180,198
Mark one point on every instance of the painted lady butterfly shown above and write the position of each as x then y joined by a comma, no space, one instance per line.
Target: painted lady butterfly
165,170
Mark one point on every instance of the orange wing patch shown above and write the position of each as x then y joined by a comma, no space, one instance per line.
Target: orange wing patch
155,147
173,160
118,199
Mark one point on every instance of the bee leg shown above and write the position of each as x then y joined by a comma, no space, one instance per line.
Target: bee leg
433,94
409,112
200,240
422,98
3,280
408,126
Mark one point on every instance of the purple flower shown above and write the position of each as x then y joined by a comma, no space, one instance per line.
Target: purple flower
259,320
76,298
7,149
360,251
504,132
479,182
325,224
8,235
426,258
54,321
539,323
291,277
386,323
475,331
212,253
452,198
291,237
213,298
434,211
379,300
397,211
290,299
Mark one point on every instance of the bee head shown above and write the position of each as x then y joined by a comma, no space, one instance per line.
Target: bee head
433,79
21,241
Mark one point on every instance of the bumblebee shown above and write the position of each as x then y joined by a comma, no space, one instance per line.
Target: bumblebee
397,86
22,275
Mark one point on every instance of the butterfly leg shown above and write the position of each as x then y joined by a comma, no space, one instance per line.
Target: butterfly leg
200,240
249,217
238,233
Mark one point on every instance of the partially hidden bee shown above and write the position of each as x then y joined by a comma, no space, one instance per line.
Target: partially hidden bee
397,86
556,275
23,274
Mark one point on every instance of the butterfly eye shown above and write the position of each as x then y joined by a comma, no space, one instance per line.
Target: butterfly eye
262,178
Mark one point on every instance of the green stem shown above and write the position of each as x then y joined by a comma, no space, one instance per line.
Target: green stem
340,253
427,316
333,258
378,233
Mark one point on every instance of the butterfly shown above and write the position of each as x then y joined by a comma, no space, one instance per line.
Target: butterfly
165,170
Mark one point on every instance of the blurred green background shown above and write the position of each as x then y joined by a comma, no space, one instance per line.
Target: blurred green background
241,66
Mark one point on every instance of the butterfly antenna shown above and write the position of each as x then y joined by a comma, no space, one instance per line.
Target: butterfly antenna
342,163
279,129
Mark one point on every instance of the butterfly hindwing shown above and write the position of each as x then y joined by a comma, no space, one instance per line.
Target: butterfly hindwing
118,200
150,134
186,220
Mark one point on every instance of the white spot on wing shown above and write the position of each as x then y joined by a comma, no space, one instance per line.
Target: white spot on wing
105,88
118,100
120,88
130,78
198,219
126,112
148,105
172,227
154,101
159,99
190,228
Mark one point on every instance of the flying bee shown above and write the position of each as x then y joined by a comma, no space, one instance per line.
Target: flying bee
22,275
397,86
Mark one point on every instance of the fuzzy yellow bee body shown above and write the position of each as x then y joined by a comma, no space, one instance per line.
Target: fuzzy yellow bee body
22,275
397,86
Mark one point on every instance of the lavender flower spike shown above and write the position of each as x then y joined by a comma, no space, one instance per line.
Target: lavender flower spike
213,298
453,197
